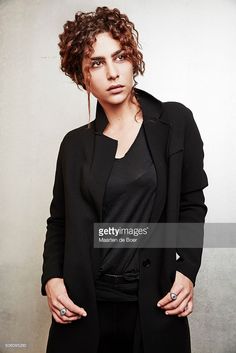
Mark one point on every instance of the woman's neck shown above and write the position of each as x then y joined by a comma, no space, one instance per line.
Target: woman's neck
122,115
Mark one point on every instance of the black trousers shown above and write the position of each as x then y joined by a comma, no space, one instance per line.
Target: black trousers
120,330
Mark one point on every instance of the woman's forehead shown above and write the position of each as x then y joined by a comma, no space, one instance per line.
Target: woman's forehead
105,44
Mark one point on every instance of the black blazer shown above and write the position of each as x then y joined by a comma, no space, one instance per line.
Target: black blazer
83,165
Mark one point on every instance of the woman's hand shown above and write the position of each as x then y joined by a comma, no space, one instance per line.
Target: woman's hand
183,305
58,298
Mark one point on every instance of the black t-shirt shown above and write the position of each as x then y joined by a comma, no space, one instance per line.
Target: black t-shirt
129,196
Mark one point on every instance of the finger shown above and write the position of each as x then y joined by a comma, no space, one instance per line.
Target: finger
68,313
71,315
177,288
188,310
58,319
57,306
68,303
180,308
65,318
175,303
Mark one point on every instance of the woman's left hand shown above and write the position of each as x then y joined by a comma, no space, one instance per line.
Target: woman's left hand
183,304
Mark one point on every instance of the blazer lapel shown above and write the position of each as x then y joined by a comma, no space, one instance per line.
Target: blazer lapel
157,134
104,153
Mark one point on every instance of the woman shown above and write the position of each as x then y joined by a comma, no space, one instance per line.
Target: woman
140,160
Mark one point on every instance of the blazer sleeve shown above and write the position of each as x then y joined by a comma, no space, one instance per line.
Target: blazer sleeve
53,252
192,201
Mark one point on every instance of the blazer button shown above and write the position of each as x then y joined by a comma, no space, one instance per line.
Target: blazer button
147,263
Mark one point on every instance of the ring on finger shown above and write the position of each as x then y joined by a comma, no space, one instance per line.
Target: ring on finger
173,296
63,311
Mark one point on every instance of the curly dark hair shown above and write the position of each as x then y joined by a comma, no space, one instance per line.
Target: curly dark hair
79,35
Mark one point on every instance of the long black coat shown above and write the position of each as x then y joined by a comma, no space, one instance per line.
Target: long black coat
84,162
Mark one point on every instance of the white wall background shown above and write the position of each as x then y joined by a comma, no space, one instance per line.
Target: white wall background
190,55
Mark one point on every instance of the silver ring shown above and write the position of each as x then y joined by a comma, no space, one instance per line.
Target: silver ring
63,311
173,296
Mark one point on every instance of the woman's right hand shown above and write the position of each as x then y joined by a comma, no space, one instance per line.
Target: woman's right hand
58,298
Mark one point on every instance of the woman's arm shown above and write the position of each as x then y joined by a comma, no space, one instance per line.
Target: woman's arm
53,253
192,210
192,200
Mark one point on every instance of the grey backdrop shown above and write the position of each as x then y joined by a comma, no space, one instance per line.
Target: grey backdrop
190,54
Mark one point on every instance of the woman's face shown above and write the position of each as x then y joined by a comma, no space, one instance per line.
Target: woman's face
109,67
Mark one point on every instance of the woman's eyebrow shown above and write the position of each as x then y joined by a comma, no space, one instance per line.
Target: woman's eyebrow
102,57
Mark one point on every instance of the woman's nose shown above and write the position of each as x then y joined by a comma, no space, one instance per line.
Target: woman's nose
112,71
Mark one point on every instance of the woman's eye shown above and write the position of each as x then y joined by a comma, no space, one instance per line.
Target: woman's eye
95,63
121,55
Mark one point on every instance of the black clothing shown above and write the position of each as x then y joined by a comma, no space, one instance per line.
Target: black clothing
84,162
129,197
119,326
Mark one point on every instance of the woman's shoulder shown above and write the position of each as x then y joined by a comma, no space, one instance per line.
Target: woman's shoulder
173,112
183,124
177,113
77,135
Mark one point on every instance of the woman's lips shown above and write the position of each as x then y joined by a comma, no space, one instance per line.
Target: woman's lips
116,90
